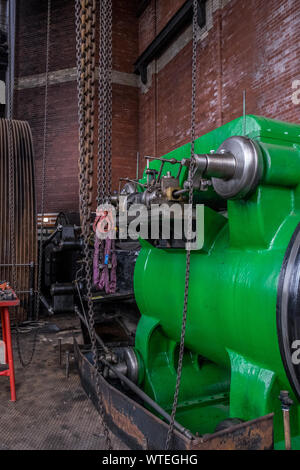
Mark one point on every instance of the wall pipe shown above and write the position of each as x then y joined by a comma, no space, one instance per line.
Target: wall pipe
10,74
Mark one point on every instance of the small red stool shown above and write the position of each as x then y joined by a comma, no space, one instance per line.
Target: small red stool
6,333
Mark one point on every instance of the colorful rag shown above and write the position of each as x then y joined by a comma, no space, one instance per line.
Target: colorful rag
104,277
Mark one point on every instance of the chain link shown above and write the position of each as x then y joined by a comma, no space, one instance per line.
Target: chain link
11,173
85,11
190,222
104,168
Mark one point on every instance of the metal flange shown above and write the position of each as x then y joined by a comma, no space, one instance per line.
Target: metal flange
248,168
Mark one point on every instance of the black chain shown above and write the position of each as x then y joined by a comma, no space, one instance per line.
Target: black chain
85,11
190,221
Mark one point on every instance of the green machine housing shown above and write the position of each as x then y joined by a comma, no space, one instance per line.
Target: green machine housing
243,320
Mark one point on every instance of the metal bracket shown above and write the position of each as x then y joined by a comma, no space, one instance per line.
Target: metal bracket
181,18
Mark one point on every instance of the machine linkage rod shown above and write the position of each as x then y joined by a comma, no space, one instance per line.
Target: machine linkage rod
136,389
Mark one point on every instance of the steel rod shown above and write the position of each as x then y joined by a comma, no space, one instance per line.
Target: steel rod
147,399
28,265
137,390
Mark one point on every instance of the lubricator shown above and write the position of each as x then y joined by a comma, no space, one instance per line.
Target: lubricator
243,321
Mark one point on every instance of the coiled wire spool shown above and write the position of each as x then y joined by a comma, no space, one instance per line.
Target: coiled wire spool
24,212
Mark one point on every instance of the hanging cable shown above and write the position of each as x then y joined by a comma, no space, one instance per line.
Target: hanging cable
190,221
44,166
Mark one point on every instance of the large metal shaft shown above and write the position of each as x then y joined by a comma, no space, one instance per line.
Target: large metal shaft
218,165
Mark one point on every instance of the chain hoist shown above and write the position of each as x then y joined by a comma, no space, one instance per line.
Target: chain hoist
189,231
85,11
104,168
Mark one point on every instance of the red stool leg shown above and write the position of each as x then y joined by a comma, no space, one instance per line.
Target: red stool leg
4,332
10,355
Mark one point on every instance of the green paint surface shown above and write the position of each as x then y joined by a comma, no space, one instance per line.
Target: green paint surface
232,364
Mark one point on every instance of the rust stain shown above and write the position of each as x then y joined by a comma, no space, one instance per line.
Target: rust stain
254,435
124,422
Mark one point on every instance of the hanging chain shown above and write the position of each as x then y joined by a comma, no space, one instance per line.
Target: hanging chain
104,168
190,221
101,182
44,163
44,168
11,171
85,11
109,98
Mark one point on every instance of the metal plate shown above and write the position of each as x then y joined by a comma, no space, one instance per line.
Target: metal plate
248,171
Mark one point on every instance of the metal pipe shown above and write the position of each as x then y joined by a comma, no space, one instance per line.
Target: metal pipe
67,364
46,305
136,389
172,161
28,265
287,429
286,403
138,165
147,399
23,291
85,322
179,192
4,42
31,285
160,171
59,351
10,75
53,235
132,181
62,289
244,112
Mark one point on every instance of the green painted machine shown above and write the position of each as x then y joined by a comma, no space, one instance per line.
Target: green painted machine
244,301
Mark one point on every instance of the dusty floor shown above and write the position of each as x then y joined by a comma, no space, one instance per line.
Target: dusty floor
52,412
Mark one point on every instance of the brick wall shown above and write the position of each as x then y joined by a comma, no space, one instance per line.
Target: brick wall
246,44
154,18
62,140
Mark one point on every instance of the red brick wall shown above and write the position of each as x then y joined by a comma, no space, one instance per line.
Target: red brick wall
31,36
62,141
165,10
154,18
253,45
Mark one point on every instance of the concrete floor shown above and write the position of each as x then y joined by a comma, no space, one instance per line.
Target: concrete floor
51,412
